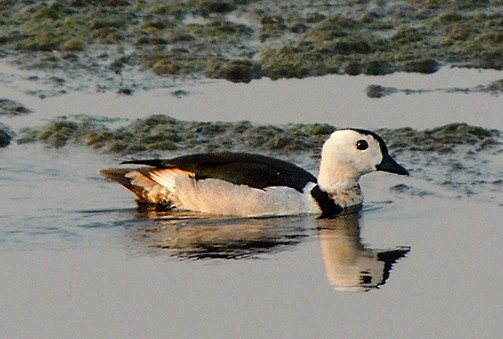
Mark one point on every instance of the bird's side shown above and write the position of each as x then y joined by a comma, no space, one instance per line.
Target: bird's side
255,185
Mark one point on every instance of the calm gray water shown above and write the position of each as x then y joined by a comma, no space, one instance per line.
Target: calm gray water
79,260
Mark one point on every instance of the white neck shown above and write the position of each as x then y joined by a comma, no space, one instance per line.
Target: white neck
339,177
341,186
336,178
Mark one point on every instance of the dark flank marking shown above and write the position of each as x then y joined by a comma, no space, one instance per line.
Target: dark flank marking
253,170
328,206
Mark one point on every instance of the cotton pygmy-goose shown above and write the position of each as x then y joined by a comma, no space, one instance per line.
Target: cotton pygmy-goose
244,184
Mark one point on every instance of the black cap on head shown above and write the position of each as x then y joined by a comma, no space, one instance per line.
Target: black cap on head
388,164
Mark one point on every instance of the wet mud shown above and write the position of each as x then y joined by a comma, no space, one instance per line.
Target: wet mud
378,91
160,133
11,108
241,40
6,135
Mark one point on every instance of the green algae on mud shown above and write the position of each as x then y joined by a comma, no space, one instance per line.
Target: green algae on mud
6,135
10,107
442,139
158,133
240,40
378,91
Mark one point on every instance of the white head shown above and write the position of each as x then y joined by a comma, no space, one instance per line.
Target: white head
350,153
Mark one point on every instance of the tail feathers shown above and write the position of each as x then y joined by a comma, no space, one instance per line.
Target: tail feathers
139,182
118,175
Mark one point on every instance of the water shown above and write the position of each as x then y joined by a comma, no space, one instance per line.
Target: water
79,260
340,100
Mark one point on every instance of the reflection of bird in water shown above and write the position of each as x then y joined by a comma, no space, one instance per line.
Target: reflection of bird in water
187,235
349,265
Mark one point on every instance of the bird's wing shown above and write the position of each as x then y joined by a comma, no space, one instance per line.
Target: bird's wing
253,170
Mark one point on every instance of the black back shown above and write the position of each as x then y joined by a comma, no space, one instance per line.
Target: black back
253,170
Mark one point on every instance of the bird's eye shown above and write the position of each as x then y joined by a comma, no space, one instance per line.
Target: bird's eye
362,145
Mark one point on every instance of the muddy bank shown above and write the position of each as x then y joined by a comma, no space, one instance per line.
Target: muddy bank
9,108
378,91
12,108
245,40
6,135
161,133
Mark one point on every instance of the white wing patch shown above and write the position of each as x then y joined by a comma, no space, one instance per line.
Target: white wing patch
180,189
151,191
167,177
160,185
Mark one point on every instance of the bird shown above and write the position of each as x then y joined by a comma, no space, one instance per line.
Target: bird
254,185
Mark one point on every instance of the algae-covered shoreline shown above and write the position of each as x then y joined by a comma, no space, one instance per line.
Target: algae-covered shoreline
241,40
128,45
162,133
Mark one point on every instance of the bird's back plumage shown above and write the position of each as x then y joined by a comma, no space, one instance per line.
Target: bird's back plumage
253,170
